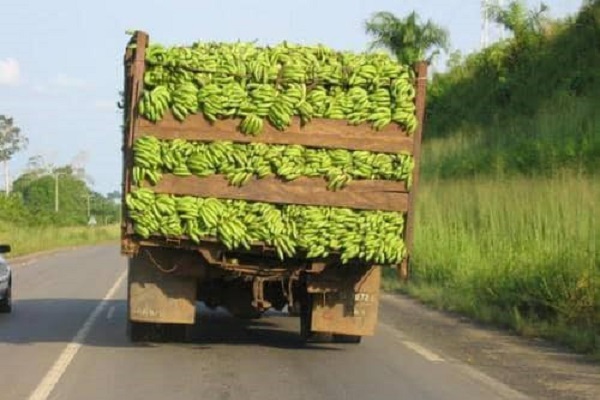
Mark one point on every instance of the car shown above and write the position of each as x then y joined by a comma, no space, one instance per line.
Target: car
5,282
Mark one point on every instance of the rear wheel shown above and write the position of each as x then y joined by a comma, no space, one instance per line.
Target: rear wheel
295,309
348,339
247,314
6,302
306,332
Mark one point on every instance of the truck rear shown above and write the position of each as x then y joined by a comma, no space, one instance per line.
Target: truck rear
266,178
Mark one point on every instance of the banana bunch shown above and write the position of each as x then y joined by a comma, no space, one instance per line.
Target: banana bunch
147,160
174,155
154,103
403,92
242,162
292,230
255,84
185,100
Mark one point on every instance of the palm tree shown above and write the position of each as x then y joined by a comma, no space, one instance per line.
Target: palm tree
407,38
518,19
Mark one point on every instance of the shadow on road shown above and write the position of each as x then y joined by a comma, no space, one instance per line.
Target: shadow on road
59,320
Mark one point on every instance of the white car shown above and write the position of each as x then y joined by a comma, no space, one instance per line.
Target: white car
5,282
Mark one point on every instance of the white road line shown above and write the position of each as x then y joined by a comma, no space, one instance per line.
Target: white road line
47,384
110,313
498,387
417,348
422,351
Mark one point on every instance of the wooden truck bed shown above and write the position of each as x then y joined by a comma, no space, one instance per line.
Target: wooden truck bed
321,133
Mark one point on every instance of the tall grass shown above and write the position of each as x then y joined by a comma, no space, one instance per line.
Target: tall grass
563,134
26,239
522,252
508,214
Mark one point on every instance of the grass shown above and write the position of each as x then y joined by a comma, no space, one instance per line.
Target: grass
26,240
563,134
522,253
507,226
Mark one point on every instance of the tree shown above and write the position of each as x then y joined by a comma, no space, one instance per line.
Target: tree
11,142
65,206
515,17
105,209
407,38
114,196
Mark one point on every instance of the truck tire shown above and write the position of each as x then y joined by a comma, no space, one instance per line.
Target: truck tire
6,302
138,331
159,333
306,333
295,309
346,339
247,314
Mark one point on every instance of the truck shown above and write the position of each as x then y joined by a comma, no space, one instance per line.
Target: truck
168,274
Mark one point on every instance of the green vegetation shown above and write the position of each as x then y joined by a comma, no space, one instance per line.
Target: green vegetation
30,222
409,40
527,105
522,252
31,239
49,207
508,216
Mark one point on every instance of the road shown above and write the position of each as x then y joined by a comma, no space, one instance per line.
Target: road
66,340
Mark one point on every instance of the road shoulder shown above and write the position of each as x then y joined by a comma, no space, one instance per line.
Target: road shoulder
533,367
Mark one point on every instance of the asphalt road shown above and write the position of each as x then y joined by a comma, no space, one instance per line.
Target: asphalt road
66,340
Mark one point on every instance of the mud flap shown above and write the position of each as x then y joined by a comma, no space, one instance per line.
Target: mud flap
347,305
158,297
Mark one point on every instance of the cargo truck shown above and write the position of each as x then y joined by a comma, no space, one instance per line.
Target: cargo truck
168,275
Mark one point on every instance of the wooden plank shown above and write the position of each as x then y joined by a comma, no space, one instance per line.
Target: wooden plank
326,133
362,195
416,151
134,65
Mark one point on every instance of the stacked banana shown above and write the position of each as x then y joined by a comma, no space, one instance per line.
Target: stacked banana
154,103
261,86
276,83
293,230
242,162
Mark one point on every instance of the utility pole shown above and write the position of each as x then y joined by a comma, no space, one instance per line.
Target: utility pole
485,26
502,30
56,192
88,200
6,178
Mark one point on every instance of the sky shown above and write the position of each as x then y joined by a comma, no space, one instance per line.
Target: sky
61,61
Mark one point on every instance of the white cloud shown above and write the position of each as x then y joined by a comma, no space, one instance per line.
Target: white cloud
10,72
63,80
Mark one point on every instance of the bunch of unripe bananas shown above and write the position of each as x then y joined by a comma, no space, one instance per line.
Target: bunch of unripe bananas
275,84
292,230
241,162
